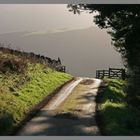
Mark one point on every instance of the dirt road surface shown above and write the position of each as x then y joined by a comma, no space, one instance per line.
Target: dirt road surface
70,113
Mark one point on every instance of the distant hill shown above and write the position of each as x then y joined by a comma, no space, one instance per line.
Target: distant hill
82,50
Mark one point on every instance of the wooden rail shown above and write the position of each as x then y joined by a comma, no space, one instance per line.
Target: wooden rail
111,73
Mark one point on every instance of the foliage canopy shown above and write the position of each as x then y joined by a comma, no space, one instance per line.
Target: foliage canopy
123,22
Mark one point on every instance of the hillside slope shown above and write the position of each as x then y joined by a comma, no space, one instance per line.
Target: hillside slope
24,82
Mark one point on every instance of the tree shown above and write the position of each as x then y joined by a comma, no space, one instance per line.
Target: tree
123,22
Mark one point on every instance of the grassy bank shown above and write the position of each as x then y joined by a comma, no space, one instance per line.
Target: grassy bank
22,89
116,117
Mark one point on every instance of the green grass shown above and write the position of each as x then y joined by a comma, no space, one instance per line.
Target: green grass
20,92
116,116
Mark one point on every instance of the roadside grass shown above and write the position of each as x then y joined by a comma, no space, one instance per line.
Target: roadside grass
116,117
20,92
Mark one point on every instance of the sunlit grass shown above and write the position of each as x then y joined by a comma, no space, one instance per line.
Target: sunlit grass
20,92
116,116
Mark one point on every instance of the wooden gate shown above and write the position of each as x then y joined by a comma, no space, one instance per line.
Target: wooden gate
111,73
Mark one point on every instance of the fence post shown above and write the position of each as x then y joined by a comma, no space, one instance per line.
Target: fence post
109,72
123,74
64,68
103,73
96,74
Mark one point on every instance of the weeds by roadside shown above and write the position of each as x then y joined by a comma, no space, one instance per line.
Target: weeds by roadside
116,117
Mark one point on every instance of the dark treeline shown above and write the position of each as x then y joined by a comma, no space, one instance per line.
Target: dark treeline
52,63
123,24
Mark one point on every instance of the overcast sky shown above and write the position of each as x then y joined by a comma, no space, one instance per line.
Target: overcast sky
31,17
44,22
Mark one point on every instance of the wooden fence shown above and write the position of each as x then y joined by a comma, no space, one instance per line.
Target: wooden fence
111,73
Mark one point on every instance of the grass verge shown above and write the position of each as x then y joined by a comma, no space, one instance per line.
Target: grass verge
115,117
21,92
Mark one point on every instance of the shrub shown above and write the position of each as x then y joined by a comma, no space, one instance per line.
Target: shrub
12,66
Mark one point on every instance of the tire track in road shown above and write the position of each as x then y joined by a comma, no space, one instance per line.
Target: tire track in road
50,122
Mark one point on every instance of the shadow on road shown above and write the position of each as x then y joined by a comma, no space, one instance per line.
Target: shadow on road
64,124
